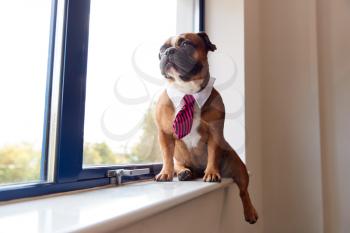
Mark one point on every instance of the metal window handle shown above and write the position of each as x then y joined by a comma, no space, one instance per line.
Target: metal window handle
116,175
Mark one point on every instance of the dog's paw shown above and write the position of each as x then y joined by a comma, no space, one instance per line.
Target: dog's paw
164,176
251,215
212,176
185,175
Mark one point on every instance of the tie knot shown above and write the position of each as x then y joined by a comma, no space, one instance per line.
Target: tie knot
189,99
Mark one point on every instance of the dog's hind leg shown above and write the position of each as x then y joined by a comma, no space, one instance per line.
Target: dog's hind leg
183,173
235,168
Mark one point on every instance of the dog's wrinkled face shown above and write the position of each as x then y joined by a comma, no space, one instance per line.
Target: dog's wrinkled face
183,61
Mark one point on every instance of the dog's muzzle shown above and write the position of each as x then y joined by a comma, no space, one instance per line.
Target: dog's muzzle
177,58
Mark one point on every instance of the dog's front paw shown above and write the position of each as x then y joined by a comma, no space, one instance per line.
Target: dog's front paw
164,176
212,175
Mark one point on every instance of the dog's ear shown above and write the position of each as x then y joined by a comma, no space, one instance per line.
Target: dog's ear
210,46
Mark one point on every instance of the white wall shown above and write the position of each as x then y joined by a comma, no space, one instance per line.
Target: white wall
297,91
225,26
224,23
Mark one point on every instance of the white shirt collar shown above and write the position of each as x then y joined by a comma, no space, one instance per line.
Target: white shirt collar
201,97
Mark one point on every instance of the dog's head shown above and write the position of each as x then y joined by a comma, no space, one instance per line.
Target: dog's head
184,62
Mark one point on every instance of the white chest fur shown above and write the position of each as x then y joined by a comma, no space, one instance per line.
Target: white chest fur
191,140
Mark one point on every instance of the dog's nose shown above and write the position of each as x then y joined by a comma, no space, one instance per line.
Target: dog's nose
170,51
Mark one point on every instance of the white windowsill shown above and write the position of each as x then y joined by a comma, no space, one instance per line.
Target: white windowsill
89,210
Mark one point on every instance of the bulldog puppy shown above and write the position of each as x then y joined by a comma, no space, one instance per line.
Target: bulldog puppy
190,118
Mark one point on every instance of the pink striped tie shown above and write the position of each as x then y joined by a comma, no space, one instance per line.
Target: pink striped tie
183,121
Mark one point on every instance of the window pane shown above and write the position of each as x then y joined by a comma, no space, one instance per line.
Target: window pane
24,41
123,76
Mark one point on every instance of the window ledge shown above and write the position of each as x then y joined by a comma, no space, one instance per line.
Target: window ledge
112,207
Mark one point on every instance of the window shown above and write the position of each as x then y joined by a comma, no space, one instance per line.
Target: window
24,46
123,77
65,83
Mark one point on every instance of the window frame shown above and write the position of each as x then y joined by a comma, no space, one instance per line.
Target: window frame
69,171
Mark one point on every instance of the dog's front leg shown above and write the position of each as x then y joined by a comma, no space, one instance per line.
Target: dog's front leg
167,145
212,171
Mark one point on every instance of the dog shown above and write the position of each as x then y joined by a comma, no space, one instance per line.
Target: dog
190,116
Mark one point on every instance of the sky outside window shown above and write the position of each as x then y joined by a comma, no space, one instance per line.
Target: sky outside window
24,41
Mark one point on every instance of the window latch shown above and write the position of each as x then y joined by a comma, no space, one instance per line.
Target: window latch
115,176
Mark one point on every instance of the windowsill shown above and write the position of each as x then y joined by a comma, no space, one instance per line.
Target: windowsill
89,210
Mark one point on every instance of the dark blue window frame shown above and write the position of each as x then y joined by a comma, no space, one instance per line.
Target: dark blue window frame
69,172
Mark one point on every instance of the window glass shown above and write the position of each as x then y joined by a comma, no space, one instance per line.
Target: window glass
24,46
123,76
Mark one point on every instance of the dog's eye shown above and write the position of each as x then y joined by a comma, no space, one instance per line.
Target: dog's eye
187,45
184,44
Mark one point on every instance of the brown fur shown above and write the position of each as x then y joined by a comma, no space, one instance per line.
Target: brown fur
213,157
